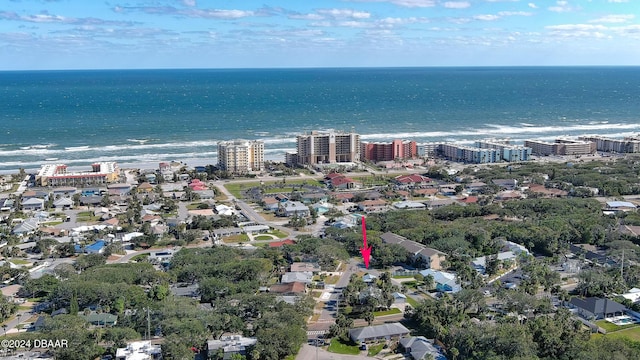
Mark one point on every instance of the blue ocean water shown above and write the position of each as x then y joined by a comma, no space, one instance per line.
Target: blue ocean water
132,116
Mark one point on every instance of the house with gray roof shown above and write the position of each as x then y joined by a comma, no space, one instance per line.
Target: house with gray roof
229,345
298,276
418,347
28,226
432,258
33,204
597,308
293,208
388,331
63,203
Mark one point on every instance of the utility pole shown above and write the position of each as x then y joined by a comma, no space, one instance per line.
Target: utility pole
148,325
622,266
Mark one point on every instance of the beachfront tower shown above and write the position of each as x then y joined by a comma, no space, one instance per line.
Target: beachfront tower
328,147
241,156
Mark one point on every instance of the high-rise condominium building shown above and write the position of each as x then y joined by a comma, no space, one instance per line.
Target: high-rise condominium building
241,156
395,150
328,147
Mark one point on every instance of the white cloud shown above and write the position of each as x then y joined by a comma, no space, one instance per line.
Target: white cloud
614,19
577,27
456,4
306,16
618,1
189,2
514,13
533,6
561,7
405,3
486,17
344,13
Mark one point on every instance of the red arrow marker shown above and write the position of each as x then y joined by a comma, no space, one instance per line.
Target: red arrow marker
365,250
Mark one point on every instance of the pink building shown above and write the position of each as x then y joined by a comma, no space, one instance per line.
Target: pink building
397,149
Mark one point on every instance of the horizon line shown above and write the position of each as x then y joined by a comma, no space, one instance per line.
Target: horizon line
326,68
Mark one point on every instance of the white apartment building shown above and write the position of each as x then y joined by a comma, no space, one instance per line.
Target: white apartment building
328,147
241,156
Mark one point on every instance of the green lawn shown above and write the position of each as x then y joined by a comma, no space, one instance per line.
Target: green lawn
236,238
412,302
387,312
279,234
339,347
194,206
237,188
263,237
375,349
19,261
610,327
140,257
630,333
85,213
402,277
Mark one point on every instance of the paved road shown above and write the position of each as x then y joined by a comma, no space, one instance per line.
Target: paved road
21,315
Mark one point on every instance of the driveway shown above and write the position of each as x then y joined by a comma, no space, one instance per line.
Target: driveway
309,352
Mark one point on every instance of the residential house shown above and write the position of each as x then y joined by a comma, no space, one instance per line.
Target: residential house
431,258
205,194
305,266
293,208
229,345
26,227
633,294
475,187
444,281
91,200
308,198
382,332
63,203
372,205
225,210
425,192
597,308
139,350
294,288
438,203
95,248
278,244
119,189
369,278
100,319
399,298
411,181
201,212
343,197
615,206
508,195
547,193
466,200
344,182
419,348
32,204
270,203
64,191
222,232
256,229
409,205
145,187
508,184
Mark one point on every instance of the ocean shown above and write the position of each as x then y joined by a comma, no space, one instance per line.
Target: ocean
148,116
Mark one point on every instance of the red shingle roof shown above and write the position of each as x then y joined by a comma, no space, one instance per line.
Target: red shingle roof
281,243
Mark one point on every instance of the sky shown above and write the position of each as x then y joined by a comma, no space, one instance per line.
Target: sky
131,34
